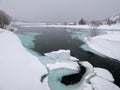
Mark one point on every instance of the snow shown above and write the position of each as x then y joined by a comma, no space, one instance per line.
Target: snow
61,55
67,65
85,47
115,36
99,83
19,69
111,27
64,63
98,78
87,87
114,18
105,27
108,45
27,39
27,24
87,65
103,73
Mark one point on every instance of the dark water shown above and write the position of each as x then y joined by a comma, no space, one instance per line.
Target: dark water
53,39
74,78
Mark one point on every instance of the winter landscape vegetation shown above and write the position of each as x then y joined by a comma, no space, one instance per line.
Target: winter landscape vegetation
78,55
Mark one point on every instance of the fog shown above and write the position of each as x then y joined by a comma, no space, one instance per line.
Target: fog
60,10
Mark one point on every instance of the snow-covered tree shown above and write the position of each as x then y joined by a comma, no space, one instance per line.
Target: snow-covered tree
5,19
110,22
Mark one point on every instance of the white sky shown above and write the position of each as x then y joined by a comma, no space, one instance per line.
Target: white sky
60,10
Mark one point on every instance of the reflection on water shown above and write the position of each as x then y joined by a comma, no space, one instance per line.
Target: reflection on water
52,39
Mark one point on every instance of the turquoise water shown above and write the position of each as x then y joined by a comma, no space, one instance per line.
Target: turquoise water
50,39
85,33
55,77
81,35
27,39
85,47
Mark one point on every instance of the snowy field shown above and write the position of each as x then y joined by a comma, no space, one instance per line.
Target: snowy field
107,27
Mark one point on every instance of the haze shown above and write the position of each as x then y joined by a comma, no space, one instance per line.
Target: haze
60,10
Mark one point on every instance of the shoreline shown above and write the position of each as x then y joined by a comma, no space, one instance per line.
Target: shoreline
107,27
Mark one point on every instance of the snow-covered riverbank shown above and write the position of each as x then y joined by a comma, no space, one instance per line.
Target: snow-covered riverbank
20,70
108,44
106,27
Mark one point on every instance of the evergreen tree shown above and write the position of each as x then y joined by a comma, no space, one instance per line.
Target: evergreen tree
82,22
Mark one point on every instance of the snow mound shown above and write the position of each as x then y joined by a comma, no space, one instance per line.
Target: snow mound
68,65
87,87
103,73
61,55
112,37
111,27
19,69
99,83
108,45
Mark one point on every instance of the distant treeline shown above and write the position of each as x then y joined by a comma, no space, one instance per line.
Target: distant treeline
5,19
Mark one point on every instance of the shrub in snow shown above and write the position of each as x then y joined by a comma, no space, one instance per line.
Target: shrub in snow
94,31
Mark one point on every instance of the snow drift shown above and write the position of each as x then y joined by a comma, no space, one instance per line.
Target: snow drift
19,69
108,45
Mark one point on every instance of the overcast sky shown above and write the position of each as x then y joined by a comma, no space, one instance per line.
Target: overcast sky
60,10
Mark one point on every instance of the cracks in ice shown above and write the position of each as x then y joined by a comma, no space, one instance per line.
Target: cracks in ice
85,76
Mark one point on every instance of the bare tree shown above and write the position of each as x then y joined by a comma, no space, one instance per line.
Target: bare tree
5,19
93,30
